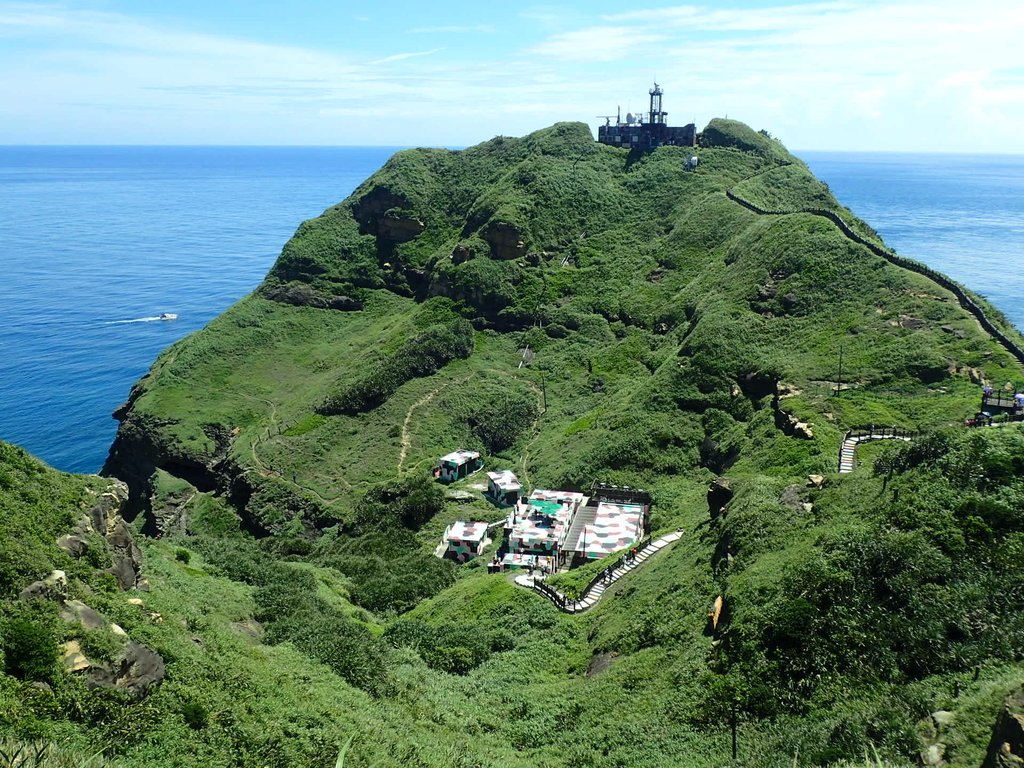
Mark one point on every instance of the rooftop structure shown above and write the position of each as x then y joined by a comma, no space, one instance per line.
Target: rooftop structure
539,525
615,527
646,131
614,518
605,492
1012,404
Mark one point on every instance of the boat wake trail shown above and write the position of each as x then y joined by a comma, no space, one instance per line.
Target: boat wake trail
152,319
136,320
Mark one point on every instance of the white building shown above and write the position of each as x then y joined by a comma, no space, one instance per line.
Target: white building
503,487
457,465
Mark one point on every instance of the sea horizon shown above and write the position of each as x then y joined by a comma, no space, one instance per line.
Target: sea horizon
797,152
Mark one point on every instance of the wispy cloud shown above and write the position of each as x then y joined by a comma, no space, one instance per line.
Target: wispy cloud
898,74
72,71
474,29
598,43
864,70
705,17
404,56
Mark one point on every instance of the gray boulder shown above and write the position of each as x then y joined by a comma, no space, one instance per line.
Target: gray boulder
53,587
77,612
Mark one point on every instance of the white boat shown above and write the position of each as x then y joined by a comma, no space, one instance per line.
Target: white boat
168,316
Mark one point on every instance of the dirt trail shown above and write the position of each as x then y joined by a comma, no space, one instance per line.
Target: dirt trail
264,471
406,436
524,459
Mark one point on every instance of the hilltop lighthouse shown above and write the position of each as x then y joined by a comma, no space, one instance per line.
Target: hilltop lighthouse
650,130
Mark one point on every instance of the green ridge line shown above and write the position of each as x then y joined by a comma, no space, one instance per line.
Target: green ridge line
909,264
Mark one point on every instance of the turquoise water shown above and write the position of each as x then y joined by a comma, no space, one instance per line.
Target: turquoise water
96,241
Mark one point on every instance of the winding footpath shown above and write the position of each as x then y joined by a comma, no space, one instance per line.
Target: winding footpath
968,303
406,434
596,591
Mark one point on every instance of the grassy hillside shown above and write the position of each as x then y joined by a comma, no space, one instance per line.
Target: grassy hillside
576,313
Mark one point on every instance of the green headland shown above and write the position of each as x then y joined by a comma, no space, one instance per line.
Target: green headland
578,314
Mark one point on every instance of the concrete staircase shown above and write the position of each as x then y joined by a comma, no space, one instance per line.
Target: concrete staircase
847,458
594,594
584,517
847,453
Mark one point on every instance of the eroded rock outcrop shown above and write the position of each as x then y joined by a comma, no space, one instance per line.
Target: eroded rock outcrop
720,493
53,587
791,425
104,520
370,208
77,612
1006,748
300,294
399,229
505,239
135,670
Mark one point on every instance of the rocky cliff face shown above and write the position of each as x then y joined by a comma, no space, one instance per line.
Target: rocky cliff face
1006,749
102,533
142,446
105,519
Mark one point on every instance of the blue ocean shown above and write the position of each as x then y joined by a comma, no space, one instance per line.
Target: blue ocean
98,242
961,214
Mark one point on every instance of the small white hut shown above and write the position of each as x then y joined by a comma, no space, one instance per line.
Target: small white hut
457,465
503,487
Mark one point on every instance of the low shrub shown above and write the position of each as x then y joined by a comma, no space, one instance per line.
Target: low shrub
455,650
499,423
28,639
289,608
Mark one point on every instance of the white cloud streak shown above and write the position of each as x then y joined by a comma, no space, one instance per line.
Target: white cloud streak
853,74
868,74
603,43
404,56
454,29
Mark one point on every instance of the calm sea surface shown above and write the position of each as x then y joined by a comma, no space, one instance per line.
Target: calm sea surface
97,241
962,214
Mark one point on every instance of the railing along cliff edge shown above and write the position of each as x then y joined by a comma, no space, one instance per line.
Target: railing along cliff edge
914,266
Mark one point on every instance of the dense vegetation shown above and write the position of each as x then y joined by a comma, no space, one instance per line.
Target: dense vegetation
421,355
576,313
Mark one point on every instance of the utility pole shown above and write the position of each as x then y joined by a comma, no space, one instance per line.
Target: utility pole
733,723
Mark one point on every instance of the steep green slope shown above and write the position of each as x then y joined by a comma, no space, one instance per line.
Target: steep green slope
839,638
579,313
650,299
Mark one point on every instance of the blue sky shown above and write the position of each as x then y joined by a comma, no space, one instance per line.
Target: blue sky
894,75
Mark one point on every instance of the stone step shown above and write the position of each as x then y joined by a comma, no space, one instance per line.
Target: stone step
577,606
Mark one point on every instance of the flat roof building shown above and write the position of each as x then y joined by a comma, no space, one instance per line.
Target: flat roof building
503,487
457,465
